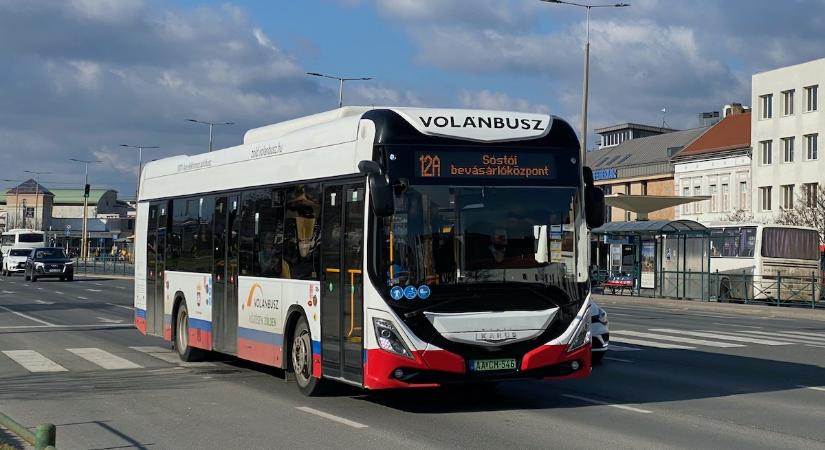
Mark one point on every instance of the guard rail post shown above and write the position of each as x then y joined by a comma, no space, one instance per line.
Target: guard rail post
778,287
43,438
813,290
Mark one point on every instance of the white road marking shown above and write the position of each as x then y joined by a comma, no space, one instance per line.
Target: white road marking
739,326
648,343
26,316
620,314
618,359
107,320
723,337
120,287
164,354
805,334
332,417
9,292
599,402
622,348
816,388
663,337
33,361
94,290
39,289
816,346
58,292
122,306
26,284
82,298
104,359
98,284
779,336
43,302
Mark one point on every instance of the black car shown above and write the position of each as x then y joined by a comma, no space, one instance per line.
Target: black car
49,262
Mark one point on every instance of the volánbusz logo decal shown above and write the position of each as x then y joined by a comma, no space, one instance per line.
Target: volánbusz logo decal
512,123
259,300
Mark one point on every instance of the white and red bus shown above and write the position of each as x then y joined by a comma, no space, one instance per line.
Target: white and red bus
379,247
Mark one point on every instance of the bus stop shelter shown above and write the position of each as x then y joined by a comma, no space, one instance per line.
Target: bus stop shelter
664,258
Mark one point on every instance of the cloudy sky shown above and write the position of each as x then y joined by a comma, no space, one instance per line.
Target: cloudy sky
80,77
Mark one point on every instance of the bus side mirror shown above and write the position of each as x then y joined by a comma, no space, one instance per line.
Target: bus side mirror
383,202
593,201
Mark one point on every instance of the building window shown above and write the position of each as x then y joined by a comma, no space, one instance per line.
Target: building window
713,198
743,195
787,102
766,150
787,149
811,150
697,190
686,207
725,197
766,106
810,190
810,98
765,197
787,196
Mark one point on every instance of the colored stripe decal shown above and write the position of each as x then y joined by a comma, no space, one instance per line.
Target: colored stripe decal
316,347
261,336
140,313
199,324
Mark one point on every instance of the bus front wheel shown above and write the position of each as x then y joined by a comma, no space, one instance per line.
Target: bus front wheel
301,359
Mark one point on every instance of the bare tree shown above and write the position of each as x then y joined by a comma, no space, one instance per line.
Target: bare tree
808,212
739,216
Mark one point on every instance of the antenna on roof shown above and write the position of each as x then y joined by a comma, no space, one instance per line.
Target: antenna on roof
664,123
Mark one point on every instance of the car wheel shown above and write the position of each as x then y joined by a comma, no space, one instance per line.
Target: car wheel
597,357
185,352
301,359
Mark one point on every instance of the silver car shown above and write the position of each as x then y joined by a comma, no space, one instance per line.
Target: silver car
599,332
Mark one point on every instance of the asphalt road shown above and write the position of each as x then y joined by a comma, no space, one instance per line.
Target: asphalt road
673,379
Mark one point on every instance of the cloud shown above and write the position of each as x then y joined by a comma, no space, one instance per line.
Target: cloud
485,99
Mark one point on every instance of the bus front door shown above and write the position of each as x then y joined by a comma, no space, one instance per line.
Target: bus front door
155,266
225,274
342,280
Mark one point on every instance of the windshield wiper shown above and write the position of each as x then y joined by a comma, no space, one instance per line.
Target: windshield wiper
415,312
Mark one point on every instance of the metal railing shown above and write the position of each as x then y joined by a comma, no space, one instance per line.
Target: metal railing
43,438
108,265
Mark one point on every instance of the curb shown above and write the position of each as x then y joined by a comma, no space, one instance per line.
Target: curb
734,308
103,275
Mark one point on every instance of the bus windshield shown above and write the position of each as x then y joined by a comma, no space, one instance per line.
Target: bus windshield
790,243
30,237
445,236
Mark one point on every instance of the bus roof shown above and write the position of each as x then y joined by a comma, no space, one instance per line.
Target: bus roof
22,231
332,143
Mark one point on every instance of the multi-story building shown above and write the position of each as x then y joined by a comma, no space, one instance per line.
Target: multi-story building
616,134
786,129
717,164
639,167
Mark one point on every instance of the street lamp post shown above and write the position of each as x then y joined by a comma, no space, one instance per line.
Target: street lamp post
84,241
211,124
340,83
24,213
586,81
36,193
140,160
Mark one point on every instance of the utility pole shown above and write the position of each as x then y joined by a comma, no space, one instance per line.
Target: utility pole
84,240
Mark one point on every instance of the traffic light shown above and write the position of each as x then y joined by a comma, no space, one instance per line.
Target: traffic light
86,190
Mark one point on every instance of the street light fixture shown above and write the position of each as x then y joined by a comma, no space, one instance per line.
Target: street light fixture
36,192
140,163
586,81
211,124
84,241
340,83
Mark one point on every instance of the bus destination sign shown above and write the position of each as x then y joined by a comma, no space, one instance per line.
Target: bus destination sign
489,165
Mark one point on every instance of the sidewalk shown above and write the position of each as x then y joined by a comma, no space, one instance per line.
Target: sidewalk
756,310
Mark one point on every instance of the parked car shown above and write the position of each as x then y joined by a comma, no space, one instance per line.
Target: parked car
49,262
14,260
599,332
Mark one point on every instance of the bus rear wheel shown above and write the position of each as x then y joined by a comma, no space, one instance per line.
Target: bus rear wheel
301,359
185,351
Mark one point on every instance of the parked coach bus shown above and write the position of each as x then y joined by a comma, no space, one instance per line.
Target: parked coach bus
752,258
21,238
383,248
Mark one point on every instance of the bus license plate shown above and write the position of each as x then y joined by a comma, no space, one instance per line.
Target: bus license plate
480,365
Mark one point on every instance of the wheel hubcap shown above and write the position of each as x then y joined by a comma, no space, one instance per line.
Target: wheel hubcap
300,358
183,332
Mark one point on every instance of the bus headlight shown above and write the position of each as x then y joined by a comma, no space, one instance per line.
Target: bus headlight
603,316
580,337
388,338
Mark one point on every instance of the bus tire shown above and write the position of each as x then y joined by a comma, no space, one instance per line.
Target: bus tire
185,351
300,358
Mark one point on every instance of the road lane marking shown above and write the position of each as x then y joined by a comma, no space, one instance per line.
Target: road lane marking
621,314
735,325
43,302
167,355
121,306
779,336
612,405
104,359
58,292
622,348
94,290
805,334
648,343
82,298
98,284
107,320
816,388
723,337
33,361
120,287
332,417
39,289
9,292
663,337
26,316
618,359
